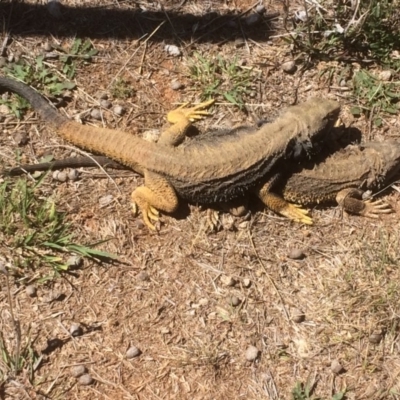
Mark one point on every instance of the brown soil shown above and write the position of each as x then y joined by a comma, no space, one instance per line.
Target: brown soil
171,296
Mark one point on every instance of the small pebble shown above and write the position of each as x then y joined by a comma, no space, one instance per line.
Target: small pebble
133,352
301,15
47,46
252,19
96,114
386,75
78,371
105,103
75,330
260,8
298,316
252,353
289,67
17,56
172,50
85,379
376,337
246,282
60,176
74,261
30,290
54,8
3,268
239,42
21,138
151,135
228,280
232,24
106,200
118,110
296,254
73,174
165,330
101,95
336,367
176,85
4,109
234,301
243,225
203,302
143,276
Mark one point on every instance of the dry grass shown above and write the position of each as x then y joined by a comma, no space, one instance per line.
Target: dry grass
193,341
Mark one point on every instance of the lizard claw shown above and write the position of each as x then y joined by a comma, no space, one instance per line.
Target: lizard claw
296,213
374,208
149,213
192,114
213,222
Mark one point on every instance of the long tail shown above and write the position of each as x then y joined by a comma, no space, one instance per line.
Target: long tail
38,102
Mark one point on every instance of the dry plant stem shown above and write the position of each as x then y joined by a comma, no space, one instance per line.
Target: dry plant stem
268,276
17,326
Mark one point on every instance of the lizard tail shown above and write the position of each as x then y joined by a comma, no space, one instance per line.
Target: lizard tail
39,103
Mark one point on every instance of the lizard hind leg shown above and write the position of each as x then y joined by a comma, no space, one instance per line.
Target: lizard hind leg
156,195
351,201
283,207
182,119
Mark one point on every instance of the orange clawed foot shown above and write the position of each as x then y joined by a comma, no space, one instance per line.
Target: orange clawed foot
296,213
192,113
149,214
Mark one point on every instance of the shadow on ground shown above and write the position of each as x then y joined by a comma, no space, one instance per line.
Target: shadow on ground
20,18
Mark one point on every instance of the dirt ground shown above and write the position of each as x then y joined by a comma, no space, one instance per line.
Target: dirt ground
193,302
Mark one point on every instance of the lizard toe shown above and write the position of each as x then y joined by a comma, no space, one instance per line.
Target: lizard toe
373,209
297,214
213,222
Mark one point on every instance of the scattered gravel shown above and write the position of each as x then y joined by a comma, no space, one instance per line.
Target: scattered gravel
21,138
96,114
85,380
228,280
133,352
118,110
252,353
74,261
60,176
78,370
336,367
246,283
376,337
73,174
296,254
30,290
289,67
252,19
75,330
298,316
172,50
105,103
234,301
386,75
143,276
176,85
260,8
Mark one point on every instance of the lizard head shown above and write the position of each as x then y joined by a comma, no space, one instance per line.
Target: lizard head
388,155
314,119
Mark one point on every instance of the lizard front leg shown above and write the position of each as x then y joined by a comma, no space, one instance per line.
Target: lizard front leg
351,201
182,119
281,206
157,194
